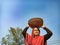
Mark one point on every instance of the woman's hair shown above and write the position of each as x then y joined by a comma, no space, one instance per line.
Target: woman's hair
38,30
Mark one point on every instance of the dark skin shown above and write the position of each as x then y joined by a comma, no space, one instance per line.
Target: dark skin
46,36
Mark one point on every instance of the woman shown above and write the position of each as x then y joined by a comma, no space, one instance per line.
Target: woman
35,38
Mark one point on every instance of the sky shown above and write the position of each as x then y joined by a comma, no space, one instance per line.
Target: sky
16,13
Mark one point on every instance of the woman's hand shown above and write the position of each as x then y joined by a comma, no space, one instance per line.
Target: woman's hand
27,25
42,26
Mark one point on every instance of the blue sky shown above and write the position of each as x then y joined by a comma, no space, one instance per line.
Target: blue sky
16,13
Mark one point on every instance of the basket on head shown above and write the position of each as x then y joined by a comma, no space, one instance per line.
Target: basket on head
35,22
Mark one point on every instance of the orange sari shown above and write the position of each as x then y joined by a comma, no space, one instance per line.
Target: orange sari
34,40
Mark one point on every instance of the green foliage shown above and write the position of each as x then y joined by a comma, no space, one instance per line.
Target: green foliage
14,37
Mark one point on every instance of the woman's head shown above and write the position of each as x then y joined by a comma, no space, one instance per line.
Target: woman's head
36,31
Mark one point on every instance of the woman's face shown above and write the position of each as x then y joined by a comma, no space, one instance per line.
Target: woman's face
36,31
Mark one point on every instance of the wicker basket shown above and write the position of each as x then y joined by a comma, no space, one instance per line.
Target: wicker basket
35,22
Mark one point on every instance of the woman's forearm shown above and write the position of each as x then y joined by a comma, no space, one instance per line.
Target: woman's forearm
24,31
49,33
47,30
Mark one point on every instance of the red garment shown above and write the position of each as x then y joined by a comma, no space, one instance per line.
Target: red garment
34,40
